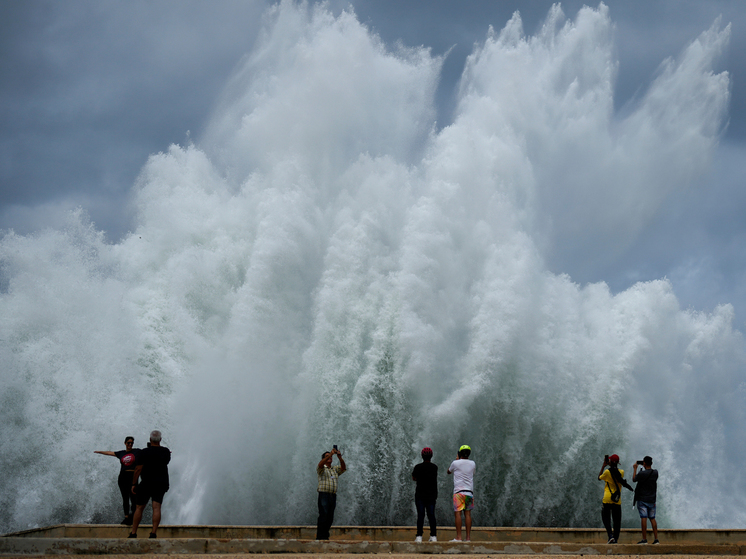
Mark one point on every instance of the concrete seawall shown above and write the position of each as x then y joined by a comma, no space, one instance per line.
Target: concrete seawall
86,539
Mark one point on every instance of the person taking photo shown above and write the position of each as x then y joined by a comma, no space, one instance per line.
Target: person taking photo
645,493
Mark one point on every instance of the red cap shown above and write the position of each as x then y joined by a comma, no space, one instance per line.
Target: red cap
614,458
427,452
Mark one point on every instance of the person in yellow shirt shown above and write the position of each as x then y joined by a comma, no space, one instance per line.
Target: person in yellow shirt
611,506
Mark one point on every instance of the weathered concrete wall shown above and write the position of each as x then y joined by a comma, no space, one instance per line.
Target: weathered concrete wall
28,546
385,534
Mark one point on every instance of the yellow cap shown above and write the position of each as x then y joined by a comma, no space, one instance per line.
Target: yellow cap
464,447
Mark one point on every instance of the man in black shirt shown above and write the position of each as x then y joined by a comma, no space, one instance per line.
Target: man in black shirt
645,492
426,476
152,464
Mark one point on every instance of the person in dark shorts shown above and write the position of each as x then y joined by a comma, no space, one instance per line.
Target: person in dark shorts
127,458
426,476
152,465
645,494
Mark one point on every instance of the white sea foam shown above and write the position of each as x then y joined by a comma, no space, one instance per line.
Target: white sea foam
326,267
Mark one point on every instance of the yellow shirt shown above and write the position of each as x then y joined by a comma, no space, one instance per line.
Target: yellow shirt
606,476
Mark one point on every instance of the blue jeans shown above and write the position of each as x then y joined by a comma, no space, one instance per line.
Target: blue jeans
646,510
422,508
327,504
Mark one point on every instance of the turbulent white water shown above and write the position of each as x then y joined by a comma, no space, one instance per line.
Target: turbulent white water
326,266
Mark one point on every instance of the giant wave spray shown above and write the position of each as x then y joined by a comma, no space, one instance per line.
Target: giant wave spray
327,265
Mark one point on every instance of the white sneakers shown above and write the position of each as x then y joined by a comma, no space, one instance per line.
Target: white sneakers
433,539
418,539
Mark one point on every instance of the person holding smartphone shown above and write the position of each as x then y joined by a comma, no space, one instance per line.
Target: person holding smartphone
645,493
152,465
611,505
327,490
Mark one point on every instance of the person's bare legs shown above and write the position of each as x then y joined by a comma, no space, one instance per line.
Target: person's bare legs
156,516
137,518
467,515
644,524
458,524
654,524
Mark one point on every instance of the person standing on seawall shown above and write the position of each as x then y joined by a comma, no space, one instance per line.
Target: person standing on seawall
327,490
127,459
645,493
463,489
152,464
611,506
426,475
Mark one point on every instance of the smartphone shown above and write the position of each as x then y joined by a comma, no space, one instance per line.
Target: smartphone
606,457
335,447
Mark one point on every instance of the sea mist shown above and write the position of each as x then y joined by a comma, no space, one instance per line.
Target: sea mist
329,265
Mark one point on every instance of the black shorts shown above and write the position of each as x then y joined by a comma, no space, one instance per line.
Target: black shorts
145,493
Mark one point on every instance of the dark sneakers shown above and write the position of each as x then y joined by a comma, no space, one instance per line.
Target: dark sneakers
642,541
151,536
655,542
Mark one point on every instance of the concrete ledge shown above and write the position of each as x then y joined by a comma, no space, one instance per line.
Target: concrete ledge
592,536
111,539
27,546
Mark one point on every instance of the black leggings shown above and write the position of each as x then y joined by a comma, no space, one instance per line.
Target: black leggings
125,488
611,512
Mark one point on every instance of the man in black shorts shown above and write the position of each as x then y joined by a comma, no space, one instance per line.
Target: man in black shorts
152,464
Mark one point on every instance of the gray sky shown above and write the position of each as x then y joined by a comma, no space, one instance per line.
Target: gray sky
89,89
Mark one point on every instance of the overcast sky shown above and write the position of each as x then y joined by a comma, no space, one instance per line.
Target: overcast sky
88,89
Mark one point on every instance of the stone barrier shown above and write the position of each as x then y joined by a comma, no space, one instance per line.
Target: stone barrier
109,539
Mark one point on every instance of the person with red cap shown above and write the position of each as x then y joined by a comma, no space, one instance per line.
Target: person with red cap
611,507
426,476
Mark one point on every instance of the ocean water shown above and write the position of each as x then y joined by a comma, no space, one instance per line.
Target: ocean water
328,265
